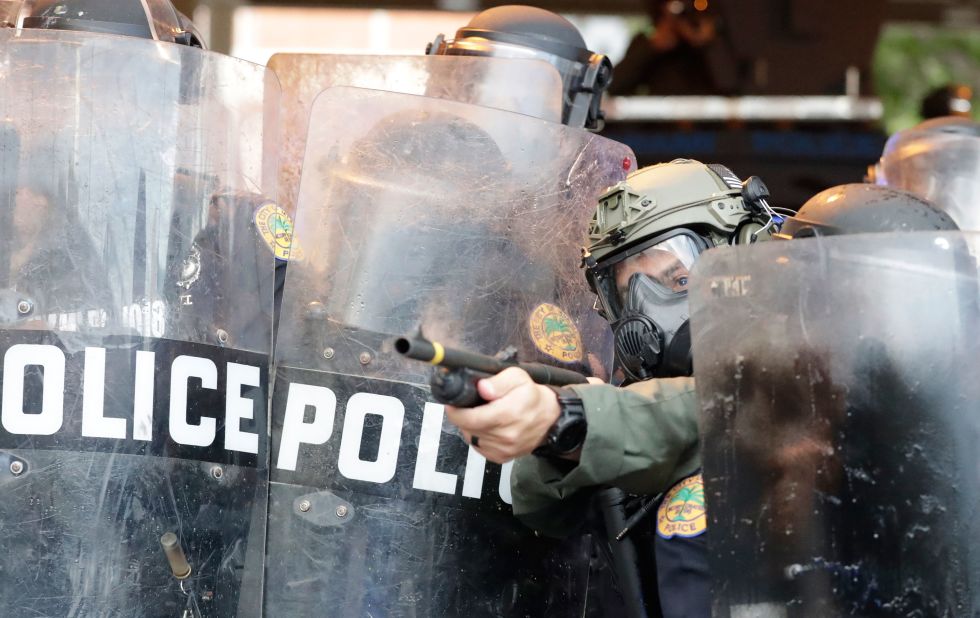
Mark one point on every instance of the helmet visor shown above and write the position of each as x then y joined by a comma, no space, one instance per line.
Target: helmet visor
660,267
149,19
570,71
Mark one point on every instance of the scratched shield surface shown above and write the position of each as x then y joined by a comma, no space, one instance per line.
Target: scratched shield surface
135,326
467,222
838,384
531,87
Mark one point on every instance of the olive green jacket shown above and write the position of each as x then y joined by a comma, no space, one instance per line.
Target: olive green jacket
642,439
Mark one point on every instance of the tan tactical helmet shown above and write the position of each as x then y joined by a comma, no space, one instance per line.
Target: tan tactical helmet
683,193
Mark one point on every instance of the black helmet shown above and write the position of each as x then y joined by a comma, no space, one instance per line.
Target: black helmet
951,100
864,208
148,19
518,31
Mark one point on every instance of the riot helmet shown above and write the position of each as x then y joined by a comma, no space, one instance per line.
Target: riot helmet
148,19
645,237
518,31
939,160
950,100
862,208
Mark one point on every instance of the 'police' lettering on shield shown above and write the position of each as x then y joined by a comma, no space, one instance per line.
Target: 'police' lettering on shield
337,431
133,395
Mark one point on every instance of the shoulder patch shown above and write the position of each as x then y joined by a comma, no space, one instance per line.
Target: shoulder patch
681,512
276,229
555,334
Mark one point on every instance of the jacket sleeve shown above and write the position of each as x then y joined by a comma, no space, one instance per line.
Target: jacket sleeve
642,439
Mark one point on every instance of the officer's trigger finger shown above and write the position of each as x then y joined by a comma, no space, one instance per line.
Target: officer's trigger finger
472,420
504,382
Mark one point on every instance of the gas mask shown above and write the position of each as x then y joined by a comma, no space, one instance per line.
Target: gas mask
642,291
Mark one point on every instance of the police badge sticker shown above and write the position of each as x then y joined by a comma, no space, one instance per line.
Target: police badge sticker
555,334
681,512
276,229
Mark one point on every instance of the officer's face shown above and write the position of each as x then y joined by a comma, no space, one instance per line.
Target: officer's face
662,266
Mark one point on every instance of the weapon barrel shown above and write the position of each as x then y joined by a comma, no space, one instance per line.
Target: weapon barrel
435,353
552,376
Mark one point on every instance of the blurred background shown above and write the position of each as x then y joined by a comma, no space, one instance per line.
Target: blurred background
800,92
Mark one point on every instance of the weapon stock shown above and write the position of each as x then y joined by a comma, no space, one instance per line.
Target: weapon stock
457,371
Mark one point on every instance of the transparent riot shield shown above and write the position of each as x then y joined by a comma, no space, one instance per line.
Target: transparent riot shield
942,166
413,214
839,386
531,87
135,328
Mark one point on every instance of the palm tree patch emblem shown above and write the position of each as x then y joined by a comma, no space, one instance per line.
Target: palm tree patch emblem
682,511
555,334
276,229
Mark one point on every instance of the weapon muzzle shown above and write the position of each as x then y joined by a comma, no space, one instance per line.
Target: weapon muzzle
419,349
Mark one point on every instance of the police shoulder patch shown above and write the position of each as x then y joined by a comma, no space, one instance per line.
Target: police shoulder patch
681,512
555,334
276,229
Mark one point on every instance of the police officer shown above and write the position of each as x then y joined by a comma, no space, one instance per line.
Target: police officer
518,31
94,174
646,235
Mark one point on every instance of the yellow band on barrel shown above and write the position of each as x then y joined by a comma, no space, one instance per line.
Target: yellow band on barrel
440,353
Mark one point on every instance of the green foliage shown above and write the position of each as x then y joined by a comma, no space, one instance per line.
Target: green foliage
912,60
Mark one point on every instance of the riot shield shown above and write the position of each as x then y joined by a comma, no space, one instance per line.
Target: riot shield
839,387
135,328
941,166
412,215
480,81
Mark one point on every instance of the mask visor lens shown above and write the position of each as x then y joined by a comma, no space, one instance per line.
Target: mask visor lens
667,265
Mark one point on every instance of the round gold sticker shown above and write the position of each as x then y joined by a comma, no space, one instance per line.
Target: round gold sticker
682,511
555,334
276,229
